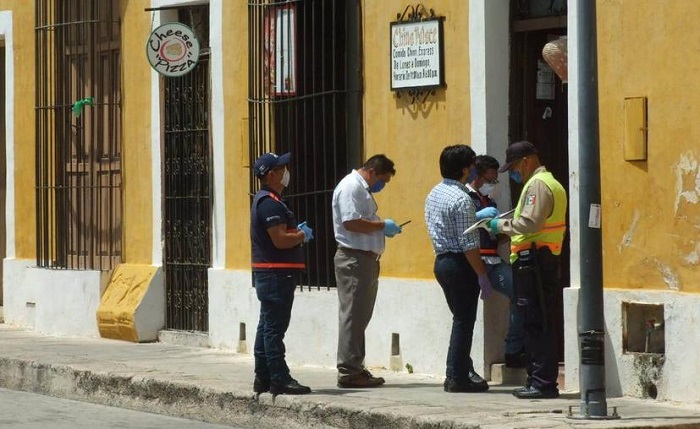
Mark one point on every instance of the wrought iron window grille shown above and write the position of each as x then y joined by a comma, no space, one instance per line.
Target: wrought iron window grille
78,134
303,98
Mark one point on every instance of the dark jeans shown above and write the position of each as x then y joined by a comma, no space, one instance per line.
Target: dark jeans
501,277
461,287
275,292
539,319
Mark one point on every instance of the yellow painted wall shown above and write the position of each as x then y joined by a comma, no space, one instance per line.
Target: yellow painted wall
413,135
136,129
236,135
23,39
651,215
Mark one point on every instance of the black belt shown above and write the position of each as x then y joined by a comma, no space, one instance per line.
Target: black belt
369,253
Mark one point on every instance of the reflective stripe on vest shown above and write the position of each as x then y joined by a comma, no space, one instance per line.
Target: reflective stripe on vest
552,233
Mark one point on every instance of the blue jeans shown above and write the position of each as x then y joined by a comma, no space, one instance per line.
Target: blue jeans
275,292
461,287
501,277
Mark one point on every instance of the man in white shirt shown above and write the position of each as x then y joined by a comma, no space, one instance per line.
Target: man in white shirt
359,233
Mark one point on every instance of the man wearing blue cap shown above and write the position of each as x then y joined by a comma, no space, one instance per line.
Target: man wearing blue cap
277,259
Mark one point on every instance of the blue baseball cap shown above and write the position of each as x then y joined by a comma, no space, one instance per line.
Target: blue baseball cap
268,161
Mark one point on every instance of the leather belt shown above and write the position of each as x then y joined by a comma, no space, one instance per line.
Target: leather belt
369,253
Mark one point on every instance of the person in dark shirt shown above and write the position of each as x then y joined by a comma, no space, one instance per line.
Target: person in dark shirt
277,259
483,188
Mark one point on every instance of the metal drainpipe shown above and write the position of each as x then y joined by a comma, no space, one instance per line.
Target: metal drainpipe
591,322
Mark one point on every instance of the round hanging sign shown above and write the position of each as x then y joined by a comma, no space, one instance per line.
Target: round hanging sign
173,49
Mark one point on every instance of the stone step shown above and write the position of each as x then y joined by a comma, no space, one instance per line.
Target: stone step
501,374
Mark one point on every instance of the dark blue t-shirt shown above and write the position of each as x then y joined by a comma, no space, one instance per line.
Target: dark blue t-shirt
268,211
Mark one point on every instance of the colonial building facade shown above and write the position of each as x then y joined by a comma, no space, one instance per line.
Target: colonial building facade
127,193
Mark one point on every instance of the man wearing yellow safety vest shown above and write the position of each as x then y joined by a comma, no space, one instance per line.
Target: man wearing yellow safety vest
537,232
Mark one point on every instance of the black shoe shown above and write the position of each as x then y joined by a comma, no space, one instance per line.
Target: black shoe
291,388
261,386
452,386
516,360
478,381
531,392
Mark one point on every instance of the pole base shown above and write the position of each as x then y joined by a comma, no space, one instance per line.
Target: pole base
584,415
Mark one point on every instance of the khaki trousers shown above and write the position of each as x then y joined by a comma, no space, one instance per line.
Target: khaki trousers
356,274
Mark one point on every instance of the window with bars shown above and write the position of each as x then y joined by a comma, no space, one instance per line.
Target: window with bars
78,134
304,92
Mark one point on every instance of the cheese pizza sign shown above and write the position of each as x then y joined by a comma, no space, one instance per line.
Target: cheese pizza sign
173,49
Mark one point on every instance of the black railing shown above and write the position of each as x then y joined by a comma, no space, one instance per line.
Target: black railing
78,134
298,102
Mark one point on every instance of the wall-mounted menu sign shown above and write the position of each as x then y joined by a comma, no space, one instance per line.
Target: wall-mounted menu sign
417,54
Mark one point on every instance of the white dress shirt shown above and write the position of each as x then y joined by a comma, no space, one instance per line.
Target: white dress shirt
352,200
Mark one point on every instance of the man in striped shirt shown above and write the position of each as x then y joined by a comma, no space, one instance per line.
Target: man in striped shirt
458,268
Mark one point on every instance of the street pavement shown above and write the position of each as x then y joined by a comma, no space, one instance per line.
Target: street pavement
216,386
21,410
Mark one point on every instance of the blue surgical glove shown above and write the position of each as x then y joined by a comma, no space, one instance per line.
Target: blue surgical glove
391,228
493,226
487,212
308,232
484,285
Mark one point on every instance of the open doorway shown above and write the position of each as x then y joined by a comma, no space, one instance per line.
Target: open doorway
538,105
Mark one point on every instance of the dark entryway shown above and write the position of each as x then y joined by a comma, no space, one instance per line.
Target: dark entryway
538,103
187,186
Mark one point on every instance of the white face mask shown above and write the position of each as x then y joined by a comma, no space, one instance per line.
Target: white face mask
285,178
488,189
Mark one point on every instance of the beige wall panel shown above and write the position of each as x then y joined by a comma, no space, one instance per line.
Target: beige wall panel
235,47
413,135
651,210
136,126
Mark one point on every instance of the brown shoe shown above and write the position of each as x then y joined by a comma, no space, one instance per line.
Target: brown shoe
361,380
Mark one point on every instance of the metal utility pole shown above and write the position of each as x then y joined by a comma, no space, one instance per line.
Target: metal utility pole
591,327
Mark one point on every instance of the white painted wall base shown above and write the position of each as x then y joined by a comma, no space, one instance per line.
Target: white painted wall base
149,316
55,302
414,309
678,377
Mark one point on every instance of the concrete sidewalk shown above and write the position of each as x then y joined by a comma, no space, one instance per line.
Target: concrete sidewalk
215,386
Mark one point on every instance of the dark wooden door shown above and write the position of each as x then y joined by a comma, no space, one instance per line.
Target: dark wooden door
539,114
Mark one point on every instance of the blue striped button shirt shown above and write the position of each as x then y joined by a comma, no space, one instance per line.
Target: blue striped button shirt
449,210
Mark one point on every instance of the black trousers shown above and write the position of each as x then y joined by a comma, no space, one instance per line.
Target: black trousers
536,285
461,287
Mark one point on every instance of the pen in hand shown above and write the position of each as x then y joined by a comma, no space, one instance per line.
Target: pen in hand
405,223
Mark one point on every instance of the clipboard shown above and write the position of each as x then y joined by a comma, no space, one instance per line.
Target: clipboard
483,222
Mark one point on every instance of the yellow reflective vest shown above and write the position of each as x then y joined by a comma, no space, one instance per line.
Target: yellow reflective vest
552,233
